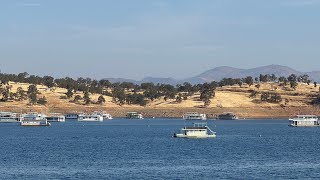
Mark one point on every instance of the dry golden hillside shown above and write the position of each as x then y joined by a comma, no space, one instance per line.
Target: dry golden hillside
229,98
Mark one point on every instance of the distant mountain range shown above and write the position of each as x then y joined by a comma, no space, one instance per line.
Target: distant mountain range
216,74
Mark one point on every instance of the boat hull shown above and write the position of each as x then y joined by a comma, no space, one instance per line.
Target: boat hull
34,124
9,121
194,137
291,125
90,120
133,118
37,125
203,119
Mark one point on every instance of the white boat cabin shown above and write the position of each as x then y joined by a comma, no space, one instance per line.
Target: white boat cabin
304,120
134,115
90,118
56,117
72,116
194,116
34,116
9,117
34,123
104,114
34,119
198,130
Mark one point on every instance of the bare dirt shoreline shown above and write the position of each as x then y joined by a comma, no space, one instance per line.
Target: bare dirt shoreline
149,112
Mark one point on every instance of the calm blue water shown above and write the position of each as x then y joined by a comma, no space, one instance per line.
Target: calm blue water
144,149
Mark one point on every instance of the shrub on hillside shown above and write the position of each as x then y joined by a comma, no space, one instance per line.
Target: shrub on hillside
42,101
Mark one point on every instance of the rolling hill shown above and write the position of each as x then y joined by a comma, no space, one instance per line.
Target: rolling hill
218,73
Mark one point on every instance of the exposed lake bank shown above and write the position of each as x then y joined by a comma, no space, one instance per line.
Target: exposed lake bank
149,112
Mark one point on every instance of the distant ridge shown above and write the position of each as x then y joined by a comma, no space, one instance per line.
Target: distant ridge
120,80
144,80
159,80
218,73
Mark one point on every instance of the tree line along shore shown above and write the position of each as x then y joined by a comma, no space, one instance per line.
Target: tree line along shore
263,96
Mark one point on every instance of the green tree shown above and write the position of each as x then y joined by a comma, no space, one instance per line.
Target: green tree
69,93
21,94
140,100
292,78
32,94
118,95
265,96
179,98
256,79
146,86
77,98
275,98
48,81
248,80
42,100
86,97
239,82
152,93
253,94
293,84
13,96
5,94
273,77
264,78
282,79
303,78
22,77
136,99
101,100
105,83
207,102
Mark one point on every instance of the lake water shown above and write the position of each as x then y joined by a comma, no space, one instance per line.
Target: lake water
144,149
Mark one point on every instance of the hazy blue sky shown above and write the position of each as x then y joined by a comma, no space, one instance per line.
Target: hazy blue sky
139,38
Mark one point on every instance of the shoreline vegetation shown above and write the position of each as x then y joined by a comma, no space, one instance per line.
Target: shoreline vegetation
263,97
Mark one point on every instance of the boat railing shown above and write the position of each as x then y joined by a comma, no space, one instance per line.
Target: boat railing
304,117
212,132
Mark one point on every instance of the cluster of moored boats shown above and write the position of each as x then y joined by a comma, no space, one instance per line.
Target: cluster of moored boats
201,130
199,116
198,130
40,119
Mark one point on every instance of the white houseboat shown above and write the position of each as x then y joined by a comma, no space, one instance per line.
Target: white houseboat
227,116
55,117
72,116
304,120
9,117
105,115
198,130
34,119
194,116
90,118
134,115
